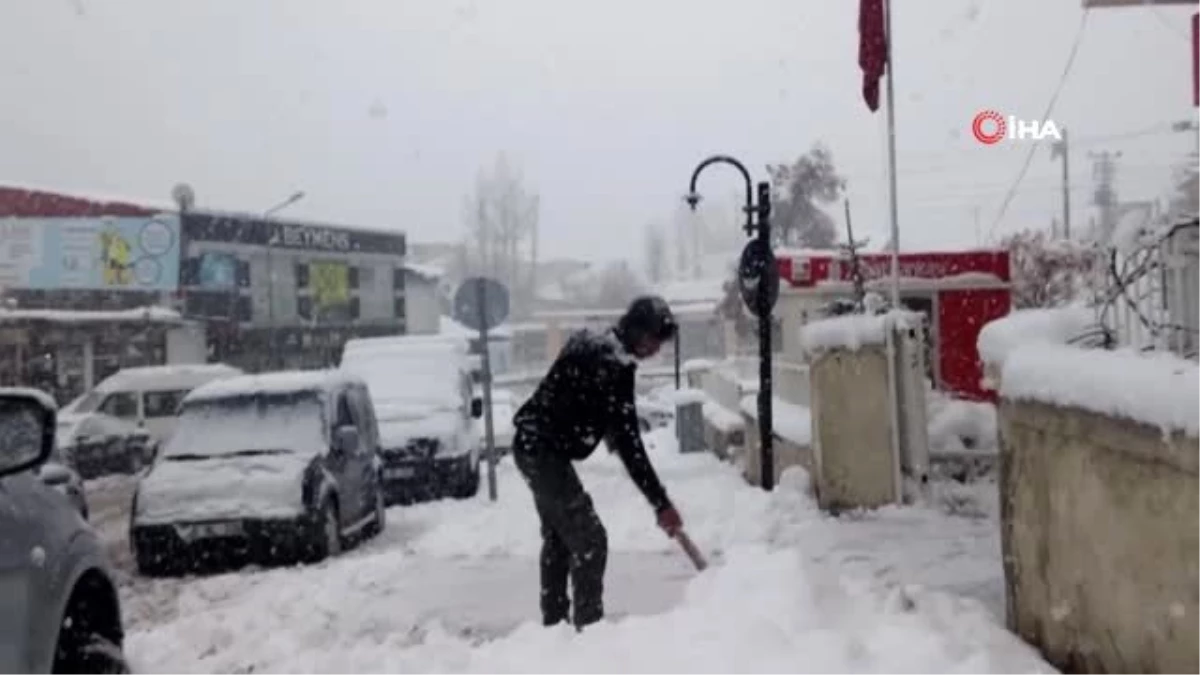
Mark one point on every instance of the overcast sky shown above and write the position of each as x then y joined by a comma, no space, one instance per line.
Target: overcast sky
383,111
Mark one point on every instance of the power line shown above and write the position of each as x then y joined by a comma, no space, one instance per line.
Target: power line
1062,80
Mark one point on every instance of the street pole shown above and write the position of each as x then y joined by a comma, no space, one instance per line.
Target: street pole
678,378
489,429
1062,149
274,356
761,302
891,125
766,430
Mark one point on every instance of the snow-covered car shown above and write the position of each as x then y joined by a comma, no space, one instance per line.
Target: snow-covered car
59,611
148,397
96,444
262,466
423,397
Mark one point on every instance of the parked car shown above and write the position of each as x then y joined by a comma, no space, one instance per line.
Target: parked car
148,397
59,611
262,466
96,444
423,396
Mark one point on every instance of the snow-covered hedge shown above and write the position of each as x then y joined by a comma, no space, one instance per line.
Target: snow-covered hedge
852,331
1042,326
1157,388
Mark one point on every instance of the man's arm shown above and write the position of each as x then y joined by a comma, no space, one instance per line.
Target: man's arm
624,437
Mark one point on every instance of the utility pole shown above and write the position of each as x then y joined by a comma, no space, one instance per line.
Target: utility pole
1063,149
1105,196
852,248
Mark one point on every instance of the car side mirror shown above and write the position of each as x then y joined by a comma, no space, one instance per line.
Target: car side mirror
27,423
477,408
345,439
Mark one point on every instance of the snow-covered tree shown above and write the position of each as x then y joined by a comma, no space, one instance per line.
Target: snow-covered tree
656,260
501,217
1048,272
799,191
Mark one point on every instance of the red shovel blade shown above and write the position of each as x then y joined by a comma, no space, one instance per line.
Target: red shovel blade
685,542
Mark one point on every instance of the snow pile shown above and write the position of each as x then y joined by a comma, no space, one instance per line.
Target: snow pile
852,331
697,365
723,419
956,425
687,397
1158,389
1045,326
789,421
280,383
761,611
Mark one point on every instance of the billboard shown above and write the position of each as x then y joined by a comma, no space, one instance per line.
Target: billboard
137,253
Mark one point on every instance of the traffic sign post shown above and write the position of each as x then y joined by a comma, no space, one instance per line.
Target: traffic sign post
482,304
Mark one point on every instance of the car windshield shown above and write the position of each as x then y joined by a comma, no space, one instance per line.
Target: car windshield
259,424
407,382
85,404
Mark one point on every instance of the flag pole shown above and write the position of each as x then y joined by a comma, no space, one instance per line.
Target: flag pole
891,125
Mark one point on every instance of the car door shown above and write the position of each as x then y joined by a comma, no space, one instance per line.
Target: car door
364,460
343,466
160,411
19,555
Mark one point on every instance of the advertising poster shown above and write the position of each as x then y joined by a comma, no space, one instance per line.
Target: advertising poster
331,285
107,252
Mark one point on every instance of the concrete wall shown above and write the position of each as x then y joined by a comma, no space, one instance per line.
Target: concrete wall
786,454
852,439
422,305
1100,539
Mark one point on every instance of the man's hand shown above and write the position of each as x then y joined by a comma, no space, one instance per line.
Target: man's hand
669,521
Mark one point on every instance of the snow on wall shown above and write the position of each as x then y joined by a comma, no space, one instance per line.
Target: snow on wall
150,313
1157,389
851,331
790,421
1045,326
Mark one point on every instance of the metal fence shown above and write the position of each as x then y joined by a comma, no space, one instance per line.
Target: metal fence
1151,295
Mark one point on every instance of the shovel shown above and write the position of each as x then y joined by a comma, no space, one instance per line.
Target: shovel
685,542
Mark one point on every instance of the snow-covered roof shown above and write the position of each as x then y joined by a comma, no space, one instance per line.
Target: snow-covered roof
426,271
153,314
178,375
270,384
97,196
1159,389
852,331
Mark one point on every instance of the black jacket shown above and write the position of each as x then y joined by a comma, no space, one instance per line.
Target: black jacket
587,396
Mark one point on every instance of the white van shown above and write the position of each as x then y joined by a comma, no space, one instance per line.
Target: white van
149,396
424,401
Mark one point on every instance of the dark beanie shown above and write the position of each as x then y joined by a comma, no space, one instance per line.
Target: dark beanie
647,316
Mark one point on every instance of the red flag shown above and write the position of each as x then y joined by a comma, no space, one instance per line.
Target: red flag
872,49
1196,59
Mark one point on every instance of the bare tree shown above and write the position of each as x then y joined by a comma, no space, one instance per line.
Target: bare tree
501,217
800,190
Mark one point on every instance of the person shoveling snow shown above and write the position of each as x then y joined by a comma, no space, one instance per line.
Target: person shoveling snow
587,396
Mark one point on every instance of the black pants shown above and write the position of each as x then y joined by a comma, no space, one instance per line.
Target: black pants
574,542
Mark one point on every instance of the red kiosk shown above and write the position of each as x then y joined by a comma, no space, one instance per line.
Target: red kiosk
959,292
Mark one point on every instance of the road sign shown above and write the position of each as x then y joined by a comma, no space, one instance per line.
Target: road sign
481,292
757,267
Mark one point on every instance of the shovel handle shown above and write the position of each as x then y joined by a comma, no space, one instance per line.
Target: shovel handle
685,542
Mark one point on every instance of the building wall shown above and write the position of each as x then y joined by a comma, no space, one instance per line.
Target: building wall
424,306
1099,531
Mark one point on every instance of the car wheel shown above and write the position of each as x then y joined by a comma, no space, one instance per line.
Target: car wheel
468,484
325,539
90,634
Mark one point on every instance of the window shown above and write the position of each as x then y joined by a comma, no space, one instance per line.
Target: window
189,271
355,307
121,404
344,416
304,307
243,274
301,275
398,307
352,277
244,310
398,278
162,403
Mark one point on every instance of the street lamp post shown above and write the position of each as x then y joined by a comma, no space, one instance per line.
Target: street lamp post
757,267
272,350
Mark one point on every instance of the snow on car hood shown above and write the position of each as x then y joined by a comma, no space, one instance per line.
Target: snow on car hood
398,431
255,486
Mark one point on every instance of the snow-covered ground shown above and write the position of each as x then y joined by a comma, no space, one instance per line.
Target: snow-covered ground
452,586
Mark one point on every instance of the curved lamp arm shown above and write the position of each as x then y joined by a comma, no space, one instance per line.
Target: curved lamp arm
693,197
